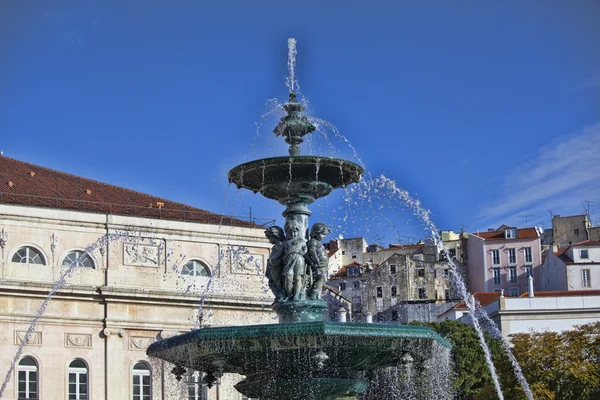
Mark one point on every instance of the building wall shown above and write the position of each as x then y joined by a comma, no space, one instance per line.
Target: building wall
595,233
480,265
556,314
569,230
519,246
554,272
593,254
575,276
109,315
349,251
476,264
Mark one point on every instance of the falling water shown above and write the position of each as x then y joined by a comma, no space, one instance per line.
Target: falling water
292,81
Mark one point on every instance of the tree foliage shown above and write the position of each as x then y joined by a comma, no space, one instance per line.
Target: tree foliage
563,366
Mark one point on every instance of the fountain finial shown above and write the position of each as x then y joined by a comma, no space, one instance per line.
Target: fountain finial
294,125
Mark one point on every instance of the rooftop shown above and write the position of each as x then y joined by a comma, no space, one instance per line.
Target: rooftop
522,233
484,298
22,183
564,293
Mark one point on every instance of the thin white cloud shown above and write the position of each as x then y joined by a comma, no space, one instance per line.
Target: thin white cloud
557,177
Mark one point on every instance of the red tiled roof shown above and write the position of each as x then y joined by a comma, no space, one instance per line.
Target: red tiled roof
484,298
587,243
340,274
523,233
564,293
27,184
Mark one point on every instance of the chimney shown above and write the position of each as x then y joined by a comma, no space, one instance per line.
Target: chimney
530,286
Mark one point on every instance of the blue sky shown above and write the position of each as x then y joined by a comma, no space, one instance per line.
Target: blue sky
486,112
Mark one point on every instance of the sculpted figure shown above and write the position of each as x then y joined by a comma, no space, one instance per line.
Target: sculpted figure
275,263
317,259
294,265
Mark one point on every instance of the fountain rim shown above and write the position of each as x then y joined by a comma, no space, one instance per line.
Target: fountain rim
301,159
321,328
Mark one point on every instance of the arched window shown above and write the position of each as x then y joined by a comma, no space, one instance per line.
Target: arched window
78,380
141,385
195,268
27,379
78,258
28,255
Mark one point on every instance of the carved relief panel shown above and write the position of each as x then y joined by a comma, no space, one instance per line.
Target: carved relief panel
34,339
78,340
142,254
247,263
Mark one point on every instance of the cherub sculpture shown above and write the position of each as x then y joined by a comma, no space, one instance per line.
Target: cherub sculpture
294,264
276,236
316,258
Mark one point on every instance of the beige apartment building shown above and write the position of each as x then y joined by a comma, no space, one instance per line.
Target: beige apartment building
129,269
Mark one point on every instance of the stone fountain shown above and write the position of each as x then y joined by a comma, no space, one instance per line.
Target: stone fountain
302,357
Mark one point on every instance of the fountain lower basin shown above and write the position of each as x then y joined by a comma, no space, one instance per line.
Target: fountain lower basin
307,360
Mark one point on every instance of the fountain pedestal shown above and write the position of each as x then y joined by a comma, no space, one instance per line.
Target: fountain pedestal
300,311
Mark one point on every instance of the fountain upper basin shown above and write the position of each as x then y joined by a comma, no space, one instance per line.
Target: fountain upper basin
311,177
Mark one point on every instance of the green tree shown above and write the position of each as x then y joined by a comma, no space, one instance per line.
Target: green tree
562,366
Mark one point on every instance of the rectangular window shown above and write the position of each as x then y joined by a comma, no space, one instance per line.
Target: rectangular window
496,275
394,291
514,292
529,270
196,390
583,254
27,382
496,257
422,293
510,233
379,292
343,252
357,301
452,253
353,256
512,273
78,384
512,256
379,305
585,278
394,315
528,257
393,269
356,285
421,272
576,232
342,286
447,294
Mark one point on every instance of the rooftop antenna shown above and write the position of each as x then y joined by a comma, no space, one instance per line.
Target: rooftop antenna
526,216
586,208
462,227
378,239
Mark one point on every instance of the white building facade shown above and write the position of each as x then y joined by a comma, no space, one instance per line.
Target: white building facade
122,282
